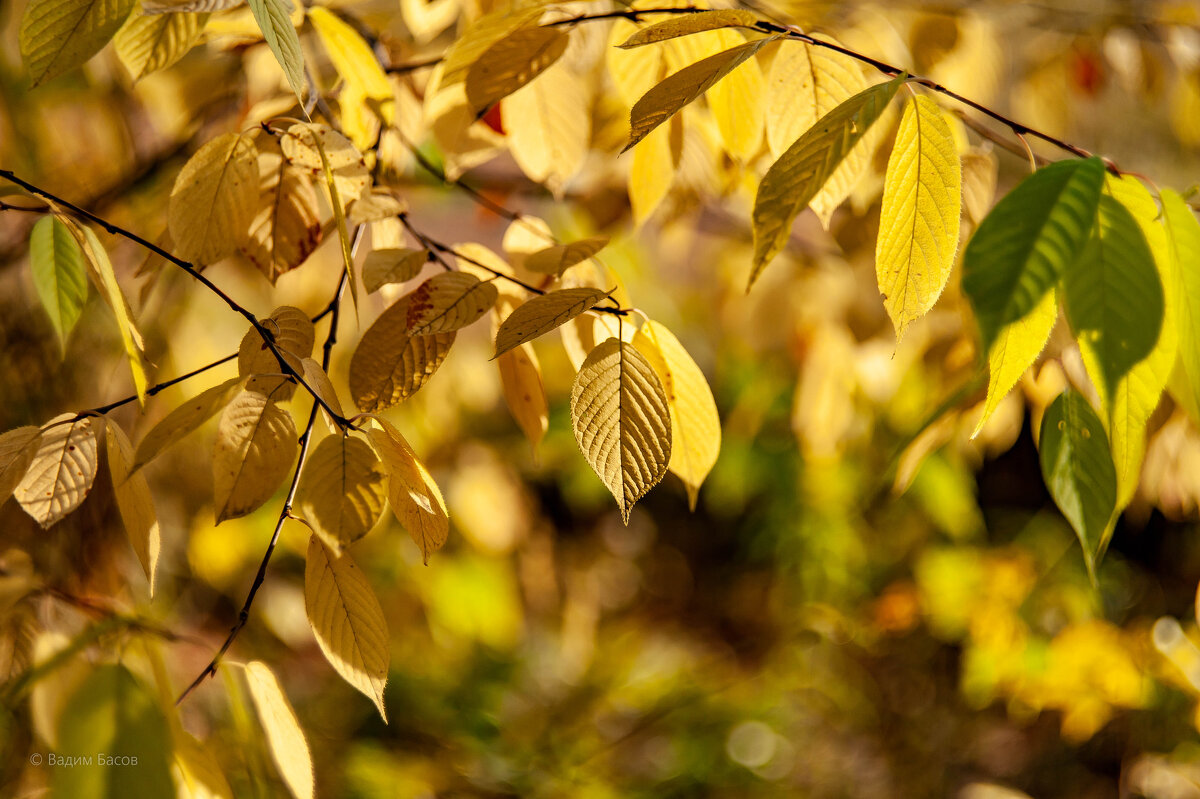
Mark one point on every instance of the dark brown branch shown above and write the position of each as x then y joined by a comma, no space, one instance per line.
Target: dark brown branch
285,513
195,273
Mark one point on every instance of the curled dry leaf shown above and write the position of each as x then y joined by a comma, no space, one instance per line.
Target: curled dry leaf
62,471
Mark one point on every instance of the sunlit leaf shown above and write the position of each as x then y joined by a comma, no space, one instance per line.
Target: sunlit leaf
549,127
1015,349
59,276
919,221
319,382
449,301
392,265
286,228
485,32
256,444
214,199
184,419
293,335
559,258
412,492
389,365
133,501
58,35
147,42
1026,243
695,426
691,23
1183,236
341,491
285,739
1078,469
353,60
622,421
347,620
542,314
18,447
511,62
275,22
61,473
796,177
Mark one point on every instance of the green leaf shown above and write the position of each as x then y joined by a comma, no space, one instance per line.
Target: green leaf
1022,248
792,181
677,90
1113,295
116,728
276,25
1183,237
919,221
688,24
59,35
1078,470
59,274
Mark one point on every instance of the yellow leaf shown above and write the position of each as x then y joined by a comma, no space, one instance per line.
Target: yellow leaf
979,172
695,426
511,62
1016,348
412,492
184,419
256,444
392,265
59,35
465,140
294,336
285,739
353,60
686,25
52,692
448,301
214,199
133,501
310,146
426,20
341,491
1183,236
919,221
805,84
17,450
622,422
320,383
653,169
633,73
197,773
485,32
187,6
389,365
147,43
374,207
736,101
100,270
558,259
549,127
677,90
347,620
542,314
286,228
62,471
521,383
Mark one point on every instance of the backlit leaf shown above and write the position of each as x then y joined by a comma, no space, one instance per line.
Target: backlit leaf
353,59
979,173
148,42
1183,236
286,228
347,620
133,501
412,492
256,444
558,259
1022,248
285,739
795,178
293,335
375,207
447,302
633,73
197,773
311,146
389,365
320,383
655,164
61,473
736,101
341,491
695,426
214,199
622,421
184,419
511,62
485,32
543,313
549,127
521,383
17,450
112,714
919,221
1015,349
275,22
191,6
688,24
58,273
677,90
58,35
392,265
1078,470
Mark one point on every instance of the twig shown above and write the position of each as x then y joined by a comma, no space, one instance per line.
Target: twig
191,269
285,512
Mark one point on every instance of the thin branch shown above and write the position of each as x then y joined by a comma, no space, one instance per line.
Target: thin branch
285,512
192,270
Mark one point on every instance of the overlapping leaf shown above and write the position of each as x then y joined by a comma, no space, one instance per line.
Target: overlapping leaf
184,419
133,501
347,620
285,739
392,265
59,273
389,365
412,492
293,335
485,32
275,22
793,180
214,199
342,490
353,60
1015,349
511,62
449,301
59,35
1022,248
543,313
62,471
286,228
256,444
622,421
692,23
549,127
919,221
148,42
18,447
561,257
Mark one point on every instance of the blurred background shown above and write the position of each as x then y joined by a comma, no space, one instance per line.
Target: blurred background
866,602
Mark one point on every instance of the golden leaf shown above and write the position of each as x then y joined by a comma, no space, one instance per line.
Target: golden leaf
389,365
287,226
256,444
542,314
392,265
510,63
133,501
59,35
558,259
147,43
285,739
341,490
549,127
412,492
294,336
448,301
214,199
61,473
17,450
184,419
